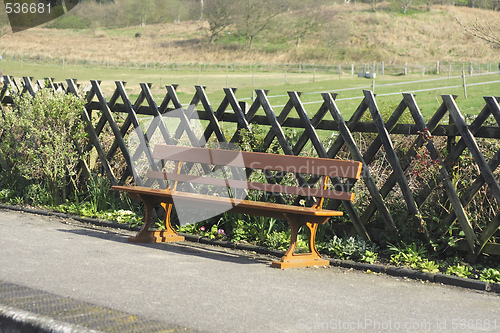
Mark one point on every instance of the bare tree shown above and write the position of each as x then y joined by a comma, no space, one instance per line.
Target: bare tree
484,31
405,4
255,16
308,15
218,14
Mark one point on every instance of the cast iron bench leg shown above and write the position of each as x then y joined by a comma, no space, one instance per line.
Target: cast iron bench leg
291,259
156,236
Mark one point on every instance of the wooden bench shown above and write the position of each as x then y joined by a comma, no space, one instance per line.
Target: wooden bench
180,183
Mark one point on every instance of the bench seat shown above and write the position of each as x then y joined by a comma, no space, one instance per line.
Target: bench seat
204,201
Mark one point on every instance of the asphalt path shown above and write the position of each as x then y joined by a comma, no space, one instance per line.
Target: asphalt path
214,289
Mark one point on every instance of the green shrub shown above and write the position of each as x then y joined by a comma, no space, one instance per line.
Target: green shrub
459,270
39,137
490,275
69,22
352,248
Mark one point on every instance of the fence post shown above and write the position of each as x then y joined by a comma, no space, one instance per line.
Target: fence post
406,69
465,86
199,73
437,67
253,79
352,69
382,68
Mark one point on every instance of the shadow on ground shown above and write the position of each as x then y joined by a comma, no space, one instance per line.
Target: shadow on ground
183,248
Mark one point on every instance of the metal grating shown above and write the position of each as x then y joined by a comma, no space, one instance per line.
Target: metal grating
46,307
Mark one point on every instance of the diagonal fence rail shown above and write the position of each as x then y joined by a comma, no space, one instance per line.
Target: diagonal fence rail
408,167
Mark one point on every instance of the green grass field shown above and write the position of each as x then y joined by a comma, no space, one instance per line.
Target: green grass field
349,87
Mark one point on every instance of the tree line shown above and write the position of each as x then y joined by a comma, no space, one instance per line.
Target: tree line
220,13
296,19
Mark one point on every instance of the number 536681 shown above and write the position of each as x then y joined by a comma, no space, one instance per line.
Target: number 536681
25,8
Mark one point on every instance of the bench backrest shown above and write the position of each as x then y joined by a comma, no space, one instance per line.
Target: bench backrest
300,165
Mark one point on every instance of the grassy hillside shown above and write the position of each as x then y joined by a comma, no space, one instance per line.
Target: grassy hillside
352,33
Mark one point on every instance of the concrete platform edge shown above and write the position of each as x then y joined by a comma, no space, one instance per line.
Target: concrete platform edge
14,320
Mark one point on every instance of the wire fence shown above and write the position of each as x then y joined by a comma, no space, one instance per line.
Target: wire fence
464,85
363,69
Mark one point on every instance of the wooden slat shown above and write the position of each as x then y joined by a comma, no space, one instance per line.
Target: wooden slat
7,85
214,122
351,123
218,115
445,177
82,163
320,149
184,116
361,127
127,123
318,116
453,156
370,154
158,119
123,130
166,100
472,145
114,127
143,139
268,139
405,162
28,86
241,118
275,125
94,138
254,160
49,84
393,158
156,122
201,201
241,184
240,115
254,107
5,88
308,127
374,147
356,154
493,226
270,188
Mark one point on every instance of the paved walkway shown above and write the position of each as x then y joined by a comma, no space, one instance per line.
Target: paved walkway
210,289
